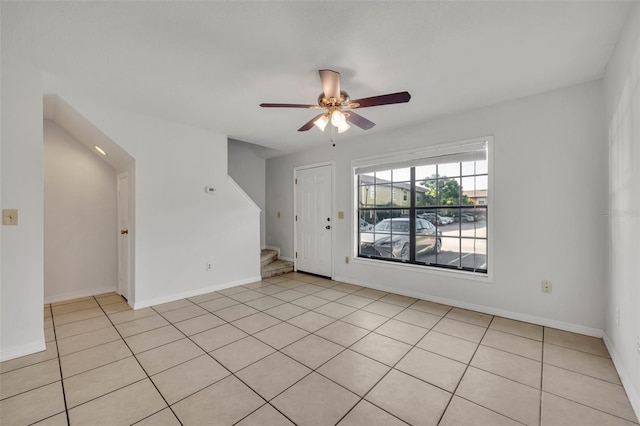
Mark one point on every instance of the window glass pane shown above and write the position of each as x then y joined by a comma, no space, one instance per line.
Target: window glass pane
367,246
481,222
449,170
383,194
469,185
468,167
473,214
482,183
450,253
448,191
425,172
401,175
381,215
366,196
482,167
366,179
384,175
474,254
366,221
427,214
468,190
401,192
451,224
468,229
366,190
382,236
426,193
445,218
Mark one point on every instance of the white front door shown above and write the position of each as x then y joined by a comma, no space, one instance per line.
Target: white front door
123,235
313,219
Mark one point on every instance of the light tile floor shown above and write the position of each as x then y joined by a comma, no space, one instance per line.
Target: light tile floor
300,349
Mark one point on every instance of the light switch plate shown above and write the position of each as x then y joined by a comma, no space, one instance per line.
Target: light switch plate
9,216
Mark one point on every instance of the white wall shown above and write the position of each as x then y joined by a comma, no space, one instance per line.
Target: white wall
622,96
249,170
549,177
80,219
21,286
178,227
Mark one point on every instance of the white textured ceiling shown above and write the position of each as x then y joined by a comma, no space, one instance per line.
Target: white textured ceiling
210,64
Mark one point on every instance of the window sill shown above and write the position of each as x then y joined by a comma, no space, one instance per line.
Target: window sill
450,273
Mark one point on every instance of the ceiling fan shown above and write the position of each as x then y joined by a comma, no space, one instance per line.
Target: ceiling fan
337,105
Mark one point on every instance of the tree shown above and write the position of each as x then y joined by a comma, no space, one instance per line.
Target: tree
448,190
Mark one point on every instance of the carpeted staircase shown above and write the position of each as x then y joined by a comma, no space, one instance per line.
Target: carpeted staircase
270,265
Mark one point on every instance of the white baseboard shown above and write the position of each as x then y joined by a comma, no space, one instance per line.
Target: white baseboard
63,297
192,293
575,328
28,349
633,393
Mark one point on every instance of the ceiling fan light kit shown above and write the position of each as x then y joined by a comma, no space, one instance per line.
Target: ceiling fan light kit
335,102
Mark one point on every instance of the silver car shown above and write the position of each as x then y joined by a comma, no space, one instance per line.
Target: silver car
390,238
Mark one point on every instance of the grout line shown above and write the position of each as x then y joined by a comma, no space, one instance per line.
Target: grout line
393,367
64,393
307,333
143,369
468,364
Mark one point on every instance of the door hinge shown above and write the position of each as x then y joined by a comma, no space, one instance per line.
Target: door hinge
296,255
296,218
295,181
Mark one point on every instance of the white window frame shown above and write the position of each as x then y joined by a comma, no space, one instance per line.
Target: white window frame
408,156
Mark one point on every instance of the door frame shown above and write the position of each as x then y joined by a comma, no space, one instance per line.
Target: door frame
128,259
331,164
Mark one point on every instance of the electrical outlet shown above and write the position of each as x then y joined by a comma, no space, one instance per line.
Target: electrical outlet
346,260
209,266
638,345
9,216
546,286
617,316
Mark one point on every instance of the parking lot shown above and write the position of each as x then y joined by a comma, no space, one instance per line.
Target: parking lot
461,246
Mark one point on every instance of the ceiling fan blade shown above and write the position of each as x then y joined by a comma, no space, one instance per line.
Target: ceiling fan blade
288,106
391,98
330,83
359,120
309,124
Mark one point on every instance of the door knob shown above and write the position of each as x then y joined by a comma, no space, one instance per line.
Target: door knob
328,227
124,231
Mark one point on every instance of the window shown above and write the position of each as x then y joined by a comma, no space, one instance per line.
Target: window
443,224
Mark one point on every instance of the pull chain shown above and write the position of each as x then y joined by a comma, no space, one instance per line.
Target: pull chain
333,135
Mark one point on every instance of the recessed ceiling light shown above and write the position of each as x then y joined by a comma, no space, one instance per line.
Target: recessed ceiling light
100,150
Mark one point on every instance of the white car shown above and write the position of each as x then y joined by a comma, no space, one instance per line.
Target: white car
445,219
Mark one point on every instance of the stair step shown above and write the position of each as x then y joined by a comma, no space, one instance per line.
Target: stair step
267,256
277,267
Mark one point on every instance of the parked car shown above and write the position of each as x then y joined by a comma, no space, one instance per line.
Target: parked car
365,226
390,238
463,218
436,219
431,217
445,219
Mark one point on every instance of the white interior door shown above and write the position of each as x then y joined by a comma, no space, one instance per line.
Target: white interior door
313,220
123,234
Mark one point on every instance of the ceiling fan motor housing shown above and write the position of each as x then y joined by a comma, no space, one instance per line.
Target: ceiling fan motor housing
332,102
